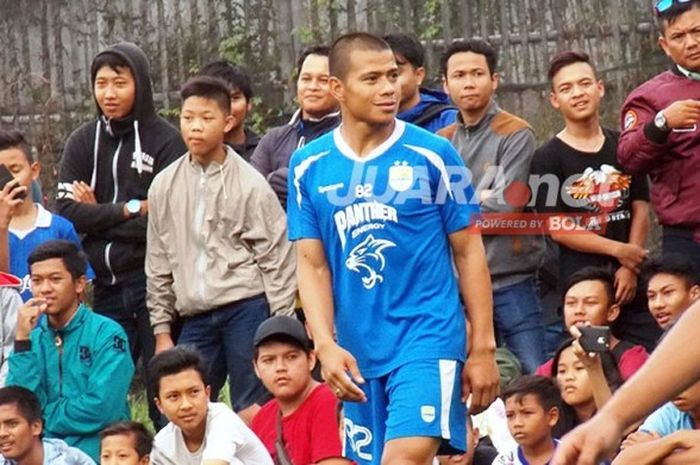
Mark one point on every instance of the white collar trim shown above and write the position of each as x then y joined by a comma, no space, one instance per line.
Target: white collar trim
345,149
43,220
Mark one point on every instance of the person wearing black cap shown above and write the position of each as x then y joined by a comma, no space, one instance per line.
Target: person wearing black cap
303,410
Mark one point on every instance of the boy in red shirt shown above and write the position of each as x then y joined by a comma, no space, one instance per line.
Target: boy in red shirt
306,408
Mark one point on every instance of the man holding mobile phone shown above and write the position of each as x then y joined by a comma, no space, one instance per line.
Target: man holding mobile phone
661,129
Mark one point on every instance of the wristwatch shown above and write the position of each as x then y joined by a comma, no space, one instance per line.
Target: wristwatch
133,208
660,121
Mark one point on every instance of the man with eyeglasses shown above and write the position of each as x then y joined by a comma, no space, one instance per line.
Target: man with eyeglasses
661,130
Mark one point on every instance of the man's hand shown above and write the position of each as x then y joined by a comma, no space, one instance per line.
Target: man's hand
480,379
8,201
27,316
336,362
630,256
83,193
589,443
625,285
638,437
163,342
590,361
682,114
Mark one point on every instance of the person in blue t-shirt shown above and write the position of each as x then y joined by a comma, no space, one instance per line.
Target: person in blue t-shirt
380,210
30,224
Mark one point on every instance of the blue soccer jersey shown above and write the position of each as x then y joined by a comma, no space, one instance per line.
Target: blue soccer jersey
384,221
22,242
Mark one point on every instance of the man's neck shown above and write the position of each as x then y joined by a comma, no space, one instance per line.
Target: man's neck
24,215
412,102
60,321
306,116
541,453
35,455
218,156
473,117
362,137
236,136
194,438
584,136
289,406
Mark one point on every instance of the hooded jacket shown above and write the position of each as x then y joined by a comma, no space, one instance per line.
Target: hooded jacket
81,375
433,112
271,156
118,159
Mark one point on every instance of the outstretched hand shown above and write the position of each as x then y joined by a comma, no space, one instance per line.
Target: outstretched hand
480,378
336,363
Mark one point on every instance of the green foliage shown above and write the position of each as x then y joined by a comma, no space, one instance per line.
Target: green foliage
232,47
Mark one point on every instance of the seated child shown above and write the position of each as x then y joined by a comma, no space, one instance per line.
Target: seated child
532,411
125,443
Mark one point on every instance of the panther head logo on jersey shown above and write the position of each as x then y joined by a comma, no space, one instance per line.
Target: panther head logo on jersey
367,258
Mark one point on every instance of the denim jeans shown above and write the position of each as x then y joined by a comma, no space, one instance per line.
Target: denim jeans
224,338
125,303
517,314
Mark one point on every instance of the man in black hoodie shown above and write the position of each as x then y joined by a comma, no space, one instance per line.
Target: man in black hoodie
107,168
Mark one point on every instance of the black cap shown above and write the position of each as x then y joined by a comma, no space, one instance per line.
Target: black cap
284,326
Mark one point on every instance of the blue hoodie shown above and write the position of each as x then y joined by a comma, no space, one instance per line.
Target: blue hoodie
81,375
428,98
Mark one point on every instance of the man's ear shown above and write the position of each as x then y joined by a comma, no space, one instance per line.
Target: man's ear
145,460
664,46
694,292
156,401
80,284
37,428
553,416
337,89
35,168
229,122
553,100
613,312
255,367
495,81
420,75
312,360
207,389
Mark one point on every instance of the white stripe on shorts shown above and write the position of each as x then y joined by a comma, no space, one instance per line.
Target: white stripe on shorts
448,369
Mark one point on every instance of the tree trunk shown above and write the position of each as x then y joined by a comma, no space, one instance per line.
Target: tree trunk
162,33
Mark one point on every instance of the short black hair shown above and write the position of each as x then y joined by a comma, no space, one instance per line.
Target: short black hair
236,77
284,339
674,264
25,400
143,439
73,258
172,362
670,16
111,60
321,50
407,46
343,46
594,273
566,58
546,391
210,88
14,139
478,46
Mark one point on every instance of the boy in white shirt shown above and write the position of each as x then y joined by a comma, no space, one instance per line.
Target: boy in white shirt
200,432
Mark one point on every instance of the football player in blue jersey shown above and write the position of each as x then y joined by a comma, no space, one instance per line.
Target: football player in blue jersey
380,210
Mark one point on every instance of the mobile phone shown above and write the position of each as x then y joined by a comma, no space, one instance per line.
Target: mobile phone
595,338
5,177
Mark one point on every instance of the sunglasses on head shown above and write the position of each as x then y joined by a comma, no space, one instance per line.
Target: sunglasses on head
662,6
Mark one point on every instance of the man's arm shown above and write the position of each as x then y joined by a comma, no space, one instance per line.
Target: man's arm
480,376
643,145
26,367
8,201
106,391
639,395
314,279
266,232
651,452
160,296
626,278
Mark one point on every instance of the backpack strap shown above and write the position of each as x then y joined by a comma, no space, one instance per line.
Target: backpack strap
431,113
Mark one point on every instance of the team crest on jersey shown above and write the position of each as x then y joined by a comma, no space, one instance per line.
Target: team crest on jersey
367,259
401,176
630,119
427,413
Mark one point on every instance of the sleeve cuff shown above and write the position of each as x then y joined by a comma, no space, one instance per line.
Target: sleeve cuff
161,328
23,346
655,134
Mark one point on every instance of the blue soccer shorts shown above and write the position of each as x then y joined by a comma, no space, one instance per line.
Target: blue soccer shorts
418,399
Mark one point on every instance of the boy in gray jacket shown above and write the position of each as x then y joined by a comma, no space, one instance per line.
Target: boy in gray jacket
218,256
